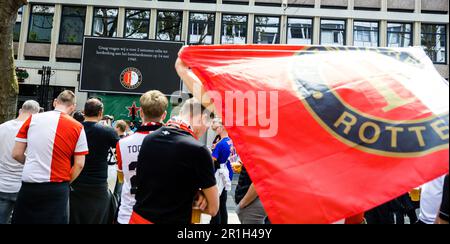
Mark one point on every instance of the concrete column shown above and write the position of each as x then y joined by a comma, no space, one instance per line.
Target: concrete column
351,4
26,15
417,38
283,29
153,23
185,27
383,33
121,22
349,33
317,4
218,24
55,32
384,5
316,30
217,28
251,28
89,20
251,24
418,6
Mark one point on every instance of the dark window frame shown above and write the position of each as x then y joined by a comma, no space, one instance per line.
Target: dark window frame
126,18
188,41
400,32
94,16
278,31
222,22
41,14
334,19
312,27
264,4
169,11
430,33
72,15
368,21
236,3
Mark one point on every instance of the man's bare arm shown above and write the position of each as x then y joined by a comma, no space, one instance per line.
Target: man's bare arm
77,167
212,198
192,82
18,152
249,197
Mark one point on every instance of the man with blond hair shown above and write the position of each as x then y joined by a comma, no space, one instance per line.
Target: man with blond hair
10,169
153,111
50,140
121,128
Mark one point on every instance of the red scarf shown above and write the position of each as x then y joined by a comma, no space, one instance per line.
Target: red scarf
181,124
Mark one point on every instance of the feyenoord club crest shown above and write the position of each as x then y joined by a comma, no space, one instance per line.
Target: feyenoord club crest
131,78
374,109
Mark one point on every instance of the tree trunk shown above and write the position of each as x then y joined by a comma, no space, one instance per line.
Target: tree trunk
9,87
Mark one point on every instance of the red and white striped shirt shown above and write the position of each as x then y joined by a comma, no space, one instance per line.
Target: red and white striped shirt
52,139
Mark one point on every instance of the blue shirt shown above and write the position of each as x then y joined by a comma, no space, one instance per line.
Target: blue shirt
224,153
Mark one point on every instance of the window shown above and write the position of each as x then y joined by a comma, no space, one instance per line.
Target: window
270,3
41,23
203,1
399,35
201,28
168,26
17,25
434,41
137,23
332,32
105,22
267,30
240,2
234,29
72,25
299,31
365,34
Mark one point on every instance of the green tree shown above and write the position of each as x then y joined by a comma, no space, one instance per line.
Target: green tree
9,88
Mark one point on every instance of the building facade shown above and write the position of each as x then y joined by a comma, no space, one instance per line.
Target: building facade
50,32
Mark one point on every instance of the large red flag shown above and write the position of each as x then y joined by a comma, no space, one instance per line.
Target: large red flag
328,132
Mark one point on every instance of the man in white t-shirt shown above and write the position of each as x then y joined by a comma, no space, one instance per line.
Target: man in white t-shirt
10,169
430,200
153,111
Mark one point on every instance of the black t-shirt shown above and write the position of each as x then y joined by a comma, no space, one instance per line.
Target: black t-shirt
171,167
100,139
243,185
443,213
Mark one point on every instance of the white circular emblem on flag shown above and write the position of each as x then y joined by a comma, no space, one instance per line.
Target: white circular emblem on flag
131,78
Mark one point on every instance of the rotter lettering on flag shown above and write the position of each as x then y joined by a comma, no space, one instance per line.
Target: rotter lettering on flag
328,132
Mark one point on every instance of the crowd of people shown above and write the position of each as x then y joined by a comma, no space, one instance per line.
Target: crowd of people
54,166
